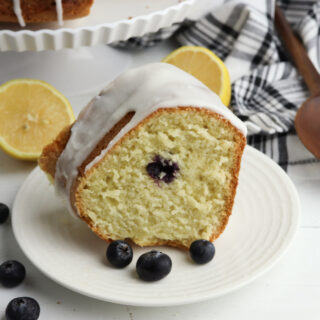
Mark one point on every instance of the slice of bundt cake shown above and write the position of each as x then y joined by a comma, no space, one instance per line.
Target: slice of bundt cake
154,158
35,11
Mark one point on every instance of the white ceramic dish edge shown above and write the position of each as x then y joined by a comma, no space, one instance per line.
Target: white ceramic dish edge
235,286
26,40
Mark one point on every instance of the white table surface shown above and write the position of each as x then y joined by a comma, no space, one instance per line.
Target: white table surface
291,290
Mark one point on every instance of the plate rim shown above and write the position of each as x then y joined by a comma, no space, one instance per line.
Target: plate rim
37,40
165,11
286,244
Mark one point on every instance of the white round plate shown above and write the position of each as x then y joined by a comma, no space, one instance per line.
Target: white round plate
109,21
263,223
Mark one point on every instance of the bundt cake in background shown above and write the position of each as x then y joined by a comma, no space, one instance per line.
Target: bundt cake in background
35,11
154,158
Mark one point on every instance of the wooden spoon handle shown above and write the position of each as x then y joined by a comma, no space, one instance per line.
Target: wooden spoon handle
297,52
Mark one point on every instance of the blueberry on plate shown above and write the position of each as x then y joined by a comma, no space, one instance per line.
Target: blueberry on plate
202,251
23,308
4,213
153,266
119,253
12,273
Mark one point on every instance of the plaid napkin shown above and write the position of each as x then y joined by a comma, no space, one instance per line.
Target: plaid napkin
266,89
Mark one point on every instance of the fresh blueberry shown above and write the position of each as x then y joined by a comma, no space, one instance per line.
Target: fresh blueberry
12,273
4,213
153,266
202,251
162,169
119,253
154,170
23,308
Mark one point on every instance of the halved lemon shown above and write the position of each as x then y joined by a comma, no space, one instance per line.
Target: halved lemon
32,113
205,66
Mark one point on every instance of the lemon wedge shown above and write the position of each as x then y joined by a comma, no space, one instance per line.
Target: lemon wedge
32,113
205,66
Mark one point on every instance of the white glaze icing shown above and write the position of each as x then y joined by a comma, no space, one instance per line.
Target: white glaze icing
59,9
18,12
143,90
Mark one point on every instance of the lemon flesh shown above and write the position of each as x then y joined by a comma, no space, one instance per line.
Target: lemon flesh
204,65
32,113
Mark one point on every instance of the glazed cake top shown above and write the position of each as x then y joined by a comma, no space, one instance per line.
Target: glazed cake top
142,90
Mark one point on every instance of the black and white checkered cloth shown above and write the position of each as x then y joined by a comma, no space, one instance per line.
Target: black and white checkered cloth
266,89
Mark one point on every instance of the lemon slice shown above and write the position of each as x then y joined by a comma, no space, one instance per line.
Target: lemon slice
205,66
32,113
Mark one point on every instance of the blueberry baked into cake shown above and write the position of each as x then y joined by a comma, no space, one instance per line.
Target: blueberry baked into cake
35,11
154,158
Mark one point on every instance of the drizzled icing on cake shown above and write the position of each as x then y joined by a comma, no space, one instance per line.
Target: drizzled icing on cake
18,12
59,9
142,90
